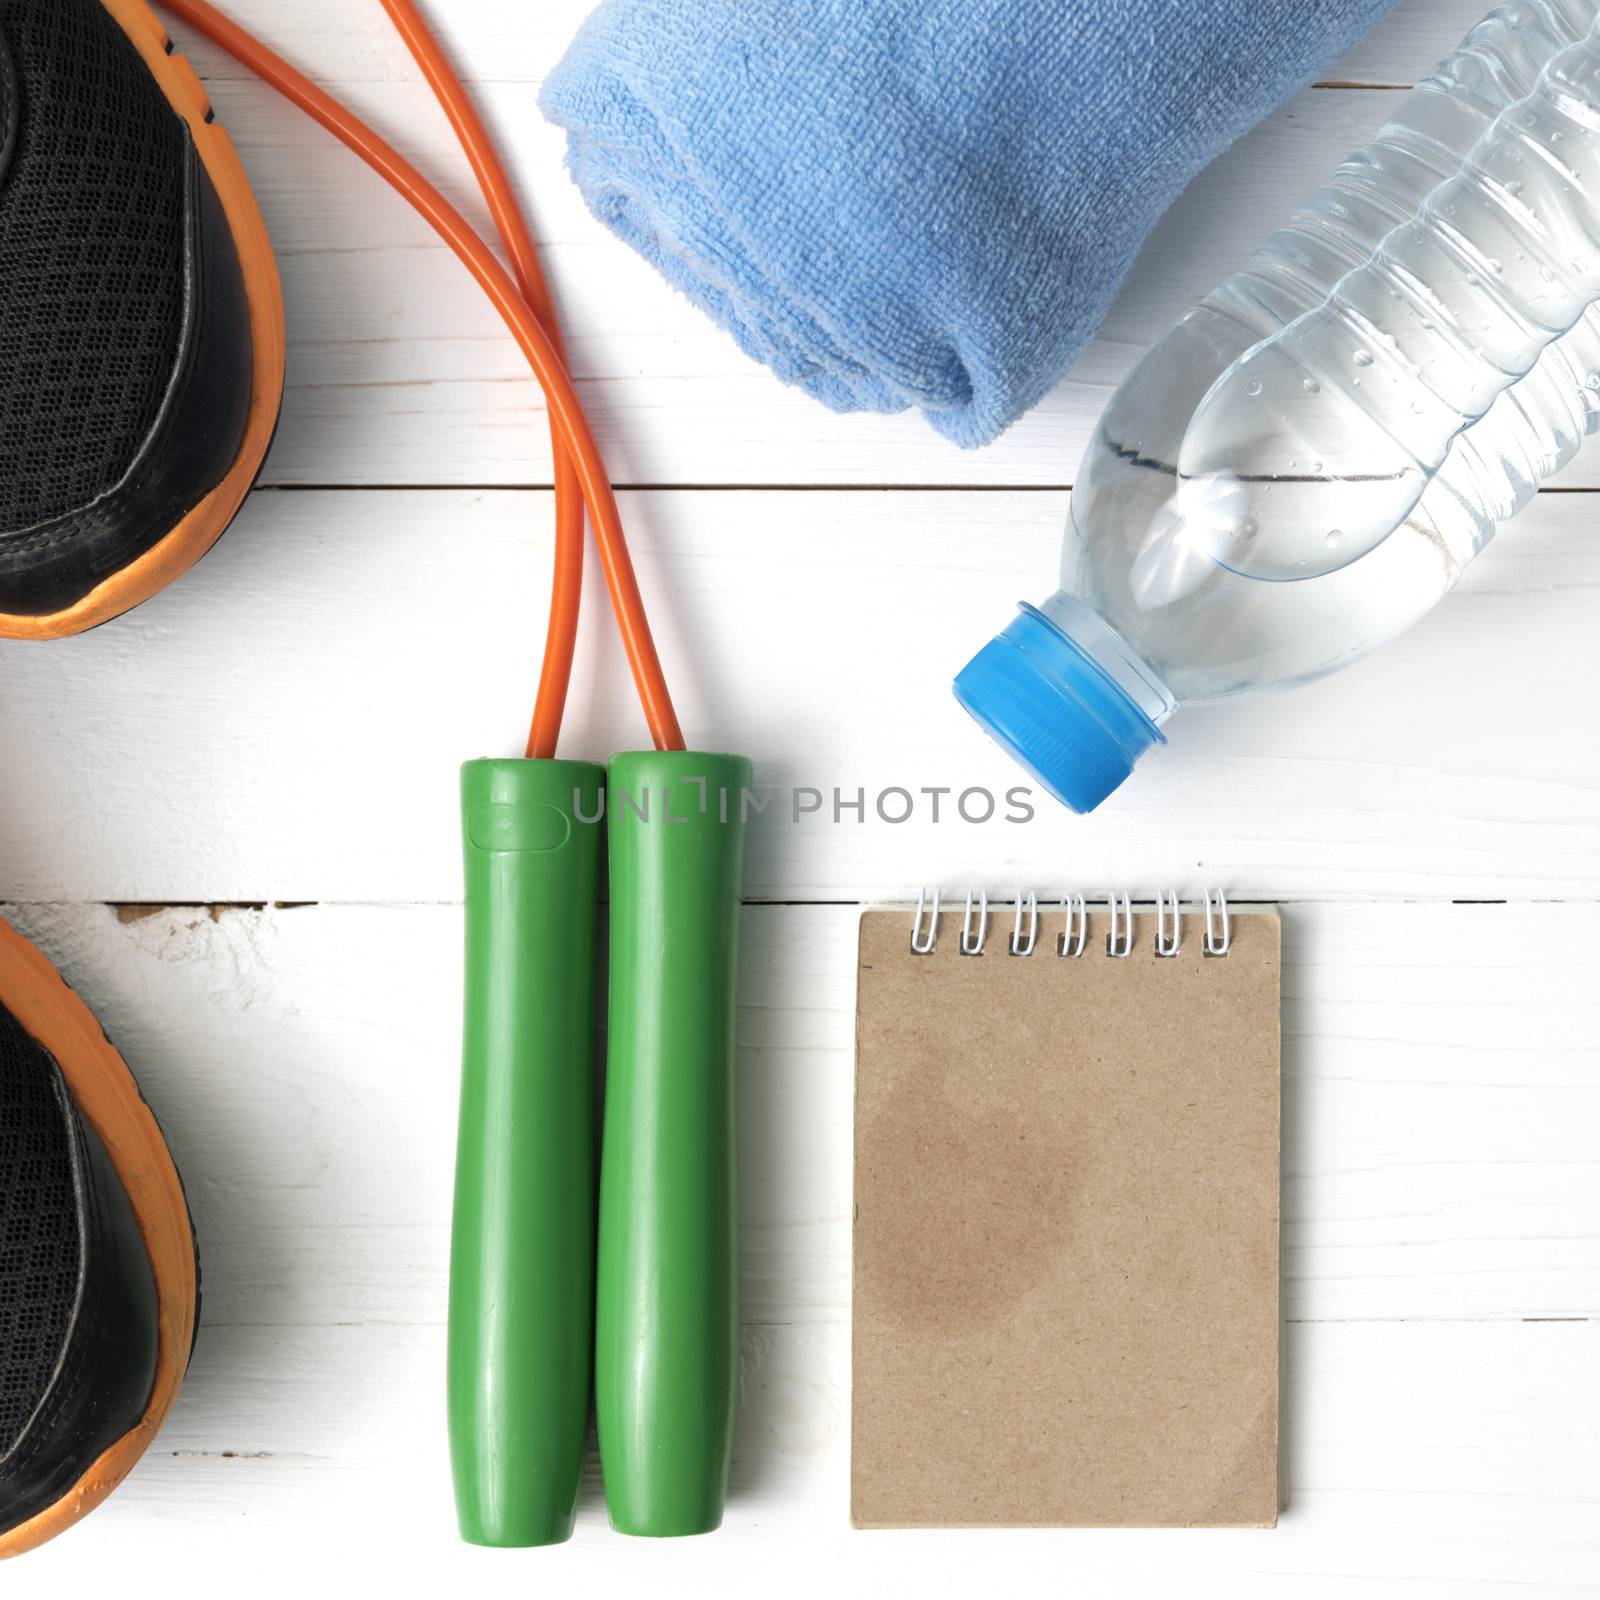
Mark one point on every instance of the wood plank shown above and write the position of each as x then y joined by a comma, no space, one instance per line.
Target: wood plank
1408,42
1441,1163
507,41
1441,1104
286,723
400,373
1424,1460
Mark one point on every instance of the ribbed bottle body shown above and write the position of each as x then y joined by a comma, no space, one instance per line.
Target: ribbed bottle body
1306,463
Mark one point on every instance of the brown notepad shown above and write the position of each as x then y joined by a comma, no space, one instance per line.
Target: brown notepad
1066,1227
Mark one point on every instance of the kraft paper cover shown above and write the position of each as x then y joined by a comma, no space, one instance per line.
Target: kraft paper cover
1066,1230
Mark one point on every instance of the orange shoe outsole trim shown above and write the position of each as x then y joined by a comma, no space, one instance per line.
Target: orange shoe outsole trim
205,524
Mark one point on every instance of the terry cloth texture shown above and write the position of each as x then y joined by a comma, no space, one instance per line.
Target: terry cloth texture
930,203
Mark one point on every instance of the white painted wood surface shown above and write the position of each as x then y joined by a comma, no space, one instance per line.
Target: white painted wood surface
285,726
1441,1188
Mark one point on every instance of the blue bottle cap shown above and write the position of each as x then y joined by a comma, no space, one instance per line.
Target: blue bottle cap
1052,705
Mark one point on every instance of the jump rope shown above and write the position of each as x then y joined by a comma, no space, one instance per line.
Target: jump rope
550,1300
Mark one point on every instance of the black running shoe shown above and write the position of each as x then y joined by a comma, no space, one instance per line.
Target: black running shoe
99,1290
141,321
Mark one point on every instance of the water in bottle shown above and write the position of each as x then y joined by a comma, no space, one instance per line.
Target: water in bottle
1305,464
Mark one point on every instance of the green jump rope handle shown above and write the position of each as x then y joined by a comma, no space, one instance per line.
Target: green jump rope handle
667,1297
522,1243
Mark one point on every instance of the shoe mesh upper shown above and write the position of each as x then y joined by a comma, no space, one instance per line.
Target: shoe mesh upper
40,1244
92,239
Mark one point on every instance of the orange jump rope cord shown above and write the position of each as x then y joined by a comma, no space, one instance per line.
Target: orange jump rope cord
511,224
565,408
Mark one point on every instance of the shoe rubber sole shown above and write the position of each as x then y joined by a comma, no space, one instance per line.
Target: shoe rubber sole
178,550
108,1099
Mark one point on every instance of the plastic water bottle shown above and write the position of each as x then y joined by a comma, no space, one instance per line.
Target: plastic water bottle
1306,463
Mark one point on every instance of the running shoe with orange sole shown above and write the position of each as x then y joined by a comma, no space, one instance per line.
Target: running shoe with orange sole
141,372
99,1281
141,320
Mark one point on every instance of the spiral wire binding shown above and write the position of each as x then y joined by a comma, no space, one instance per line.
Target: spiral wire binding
970,945
1119,949
1121,934
1217,942
1168,946
1018,948
1066,946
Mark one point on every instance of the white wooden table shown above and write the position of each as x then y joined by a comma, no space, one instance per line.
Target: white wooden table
231,819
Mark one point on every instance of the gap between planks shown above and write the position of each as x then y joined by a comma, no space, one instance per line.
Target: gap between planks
623,485
128,911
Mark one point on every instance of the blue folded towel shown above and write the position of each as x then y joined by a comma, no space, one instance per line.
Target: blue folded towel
927,203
